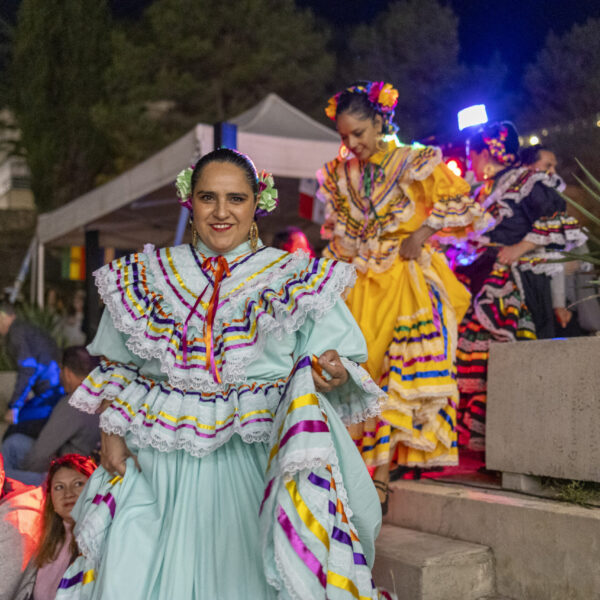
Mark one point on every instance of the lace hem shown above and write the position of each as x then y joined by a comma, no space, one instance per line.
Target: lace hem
136,436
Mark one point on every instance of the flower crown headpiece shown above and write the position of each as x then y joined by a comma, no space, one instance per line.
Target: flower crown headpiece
267,193
497,147
382,96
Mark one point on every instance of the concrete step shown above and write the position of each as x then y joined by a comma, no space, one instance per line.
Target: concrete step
543,549
422,566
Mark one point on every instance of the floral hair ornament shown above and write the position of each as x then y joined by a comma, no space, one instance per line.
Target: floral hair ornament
183,184
382,96
497,147
267,194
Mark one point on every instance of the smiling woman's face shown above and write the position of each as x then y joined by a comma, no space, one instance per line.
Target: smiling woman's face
359,135
223,205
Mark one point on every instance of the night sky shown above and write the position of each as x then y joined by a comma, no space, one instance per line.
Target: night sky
516,29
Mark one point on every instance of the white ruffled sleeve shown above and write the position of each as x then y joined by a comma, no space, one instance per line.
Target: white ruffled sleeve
118,368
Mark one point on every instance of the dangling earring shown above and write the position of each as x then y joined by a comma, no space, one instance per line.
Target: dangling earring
488,171
253,236
381,143
194,233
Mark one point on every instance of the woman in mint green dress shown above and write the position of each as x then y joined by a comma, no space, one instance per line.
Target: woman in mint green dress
229,370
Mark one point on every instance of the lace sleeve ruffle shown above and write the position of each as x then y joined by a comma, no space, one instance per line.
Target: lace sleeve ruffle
559,231
359,398
105,382
454,214
328,191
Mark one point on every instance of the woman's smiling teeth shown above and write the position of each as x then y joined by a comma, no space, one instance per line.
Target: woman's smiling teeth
221,226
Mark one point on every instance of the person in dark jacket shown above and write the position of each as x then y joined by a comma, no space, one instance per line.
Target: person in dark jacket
67,431
36,355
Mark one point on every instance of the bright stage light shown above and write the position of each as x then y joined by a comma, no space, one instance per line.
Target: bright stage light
455,166
472,115
534,140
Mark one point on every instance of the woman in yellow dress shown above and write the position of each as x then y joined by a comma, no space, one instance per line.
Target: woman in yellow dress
384,200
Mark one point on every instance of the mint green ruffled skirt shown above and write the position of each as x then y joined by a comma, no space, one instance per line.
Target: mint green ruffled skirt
188,528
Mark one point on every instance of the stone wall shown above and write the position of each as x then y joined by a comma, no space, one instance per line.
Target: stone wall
543,408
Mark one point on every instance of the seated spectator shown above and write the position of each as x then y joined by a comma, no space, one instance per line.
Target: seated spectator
36,356
57,548
20,530
67,431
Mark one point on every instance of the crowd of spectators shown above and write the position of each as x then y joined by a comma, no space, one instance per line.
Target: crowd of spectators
48,453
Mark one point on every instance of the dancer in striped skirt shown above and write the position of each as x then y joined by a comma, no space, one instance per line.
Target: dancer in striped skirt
509,272
383,202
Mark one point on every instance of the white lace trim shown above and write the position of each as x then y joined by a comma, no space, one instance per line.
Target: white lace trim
82,400
135,434
234,371
90,536
571,238
364,392
500,194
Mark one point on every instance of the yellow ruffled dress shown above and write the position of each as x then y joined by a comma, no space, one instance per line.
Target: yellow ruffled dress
408,310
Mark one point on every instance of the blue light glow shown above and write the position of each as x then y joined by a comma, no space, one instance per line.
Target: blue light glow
472,115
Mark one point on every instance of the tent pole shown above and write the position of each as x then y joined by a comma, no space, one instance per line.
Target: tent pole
225,135
33,280
179,232
40,274
22,273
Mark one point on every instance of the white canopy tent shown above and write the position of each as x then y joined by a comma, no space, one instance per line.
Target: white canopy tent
140,204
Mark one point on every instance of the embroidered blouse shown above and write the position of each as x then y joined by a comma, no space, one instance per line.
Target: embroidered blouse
526,205
197,347
371,206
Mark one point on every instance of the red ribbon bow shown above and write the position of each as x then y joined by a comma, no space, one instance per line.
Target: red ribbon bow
220,271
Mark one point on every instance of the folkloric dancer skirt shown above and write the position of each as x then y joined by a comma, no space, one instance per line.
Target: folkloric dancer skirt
409,316
498,313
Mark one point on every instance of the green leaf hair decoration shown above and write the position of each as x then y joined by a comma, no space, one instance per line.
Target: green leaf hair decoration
267,194
183,184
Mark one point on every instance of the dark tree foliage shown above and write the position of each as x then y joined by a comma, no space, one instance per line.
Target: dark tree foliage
191,61
61,50
562,96
414,45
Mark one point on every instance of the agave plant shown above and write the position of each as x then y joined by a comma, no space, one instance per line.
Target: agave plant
592,187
